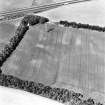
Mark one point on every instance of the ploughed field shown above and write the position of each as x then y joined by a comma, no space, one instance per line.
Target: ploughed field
58,56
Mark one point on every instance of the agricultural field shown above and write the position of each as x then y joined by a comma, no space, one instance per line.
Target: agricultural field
55,56
59,56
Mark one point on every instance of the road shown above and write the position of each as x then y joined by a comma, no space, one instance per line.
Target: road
36,9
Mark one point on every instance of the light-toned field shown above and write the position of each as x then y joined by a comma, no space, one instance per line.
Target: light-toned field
60,57
17,97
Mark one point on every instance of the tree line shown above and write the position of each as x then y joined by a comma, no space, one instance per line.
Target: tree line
80,25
